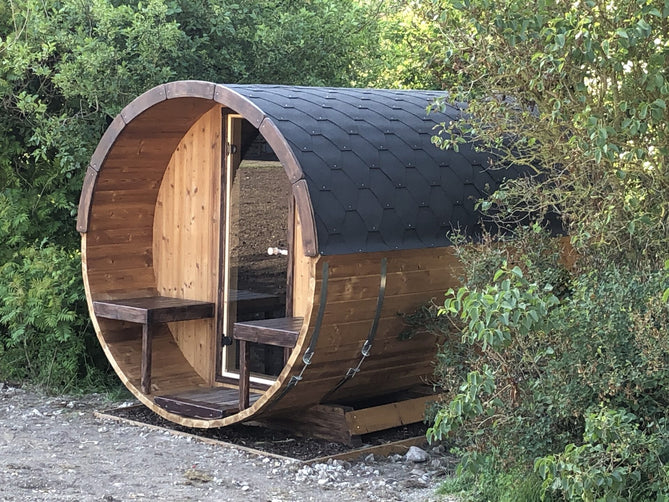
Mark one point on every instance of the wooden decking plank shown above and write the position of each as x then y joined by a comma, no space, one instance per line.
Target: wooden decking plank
210,403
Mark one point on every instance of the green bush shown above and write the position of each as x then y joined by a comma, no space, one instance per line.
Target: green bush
621,458
490,482
66,69
542,378
45,334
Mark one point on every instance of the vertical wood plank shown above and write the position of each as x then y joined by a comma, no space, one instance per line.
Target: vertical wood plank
186,234
244,374
233,137
303,273
145,377
220,253
291,261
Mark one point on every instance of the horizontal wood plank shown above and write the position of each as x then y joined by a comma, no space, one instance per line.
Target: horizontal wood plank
282,331
207,403
153,309
378,418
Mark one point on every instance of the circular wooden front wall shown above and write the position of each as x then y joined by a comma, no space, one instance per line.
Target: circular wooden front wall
150,225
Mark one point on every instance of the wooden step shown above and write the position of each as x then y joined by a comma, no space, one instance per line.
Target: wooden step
208,404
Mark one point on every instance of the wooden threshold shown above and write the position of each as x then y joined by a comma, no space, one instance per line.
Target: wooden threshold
207,404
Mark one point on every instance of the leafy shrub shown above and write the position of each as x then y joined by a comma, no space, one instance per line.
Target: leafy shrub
490,482
45,334
578,383
621,458
507,323
66,69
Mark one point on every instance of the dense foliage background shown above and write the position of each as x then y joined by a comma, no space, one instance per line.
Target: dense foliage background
67,67
556,364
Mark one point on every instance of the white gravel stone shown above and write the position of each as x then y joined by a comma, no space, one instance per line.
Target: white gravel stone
416,455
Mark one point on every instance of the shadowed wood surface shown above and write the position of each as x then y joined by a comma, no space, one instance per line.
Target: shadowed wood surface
206,404
153,309
281,331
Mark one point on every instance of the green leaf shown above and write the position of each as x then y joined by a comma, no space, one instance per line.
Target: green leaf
560,40
622,33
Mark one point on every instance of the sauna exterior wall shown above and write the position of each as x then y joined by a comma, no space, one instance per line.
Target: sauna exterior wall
413,278
129,249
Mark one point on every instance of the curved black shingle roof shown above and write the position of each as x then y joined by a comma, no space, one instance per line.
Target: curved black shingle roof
366,176
375,179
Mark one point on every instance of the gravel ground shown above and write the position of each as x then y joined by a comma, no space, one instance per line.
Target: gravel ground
56,449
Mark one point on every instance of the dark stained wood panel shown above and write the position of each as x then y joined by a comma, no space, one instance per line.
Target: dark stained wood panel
281,331
153,309
208,403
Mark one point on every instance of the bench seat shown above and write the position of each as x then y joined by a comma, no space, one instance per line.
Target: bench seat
281,332
149,311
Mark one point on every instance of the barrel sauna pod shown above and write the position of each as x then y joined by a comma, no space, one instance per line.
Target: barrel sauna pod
370,203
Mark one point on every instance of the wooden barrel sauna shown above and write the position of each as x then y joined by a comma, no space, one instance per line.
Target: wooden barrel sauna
366,202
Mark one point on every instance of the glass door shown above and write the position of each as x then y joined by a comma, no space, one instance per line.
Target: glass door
254,249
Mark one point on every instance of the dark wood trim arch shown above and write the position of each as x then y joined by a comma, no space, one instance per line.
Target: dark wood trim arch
191,92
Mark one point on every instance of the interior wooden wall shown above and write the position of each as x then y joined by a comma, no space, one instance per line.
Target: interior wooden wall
118,245
186,235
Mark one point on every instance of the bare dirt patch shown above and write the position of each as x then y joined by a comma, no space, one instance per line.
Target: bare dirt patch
260,204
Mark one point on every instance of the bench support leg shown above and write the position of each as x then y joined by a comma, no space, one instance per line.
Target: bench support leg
145,377
244,374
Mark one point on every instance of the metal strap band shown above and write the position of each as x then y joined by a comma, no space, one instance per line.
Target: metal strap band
367,346
309,353
379,306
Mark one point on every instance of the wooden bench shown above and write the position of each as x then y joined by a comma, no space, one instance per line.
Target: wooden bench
148,312
281,332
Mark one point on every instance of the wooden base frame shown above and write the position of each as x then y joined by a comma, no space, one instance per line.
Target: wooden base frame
346,424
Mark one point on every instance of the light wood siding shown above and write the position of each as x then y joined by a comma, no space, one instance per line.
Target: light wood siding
118,255
413,278
186,235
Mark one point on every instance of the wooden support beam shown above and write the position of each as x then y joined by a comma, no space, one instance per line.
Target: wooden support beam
244,374
386,416
320,421
145,378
